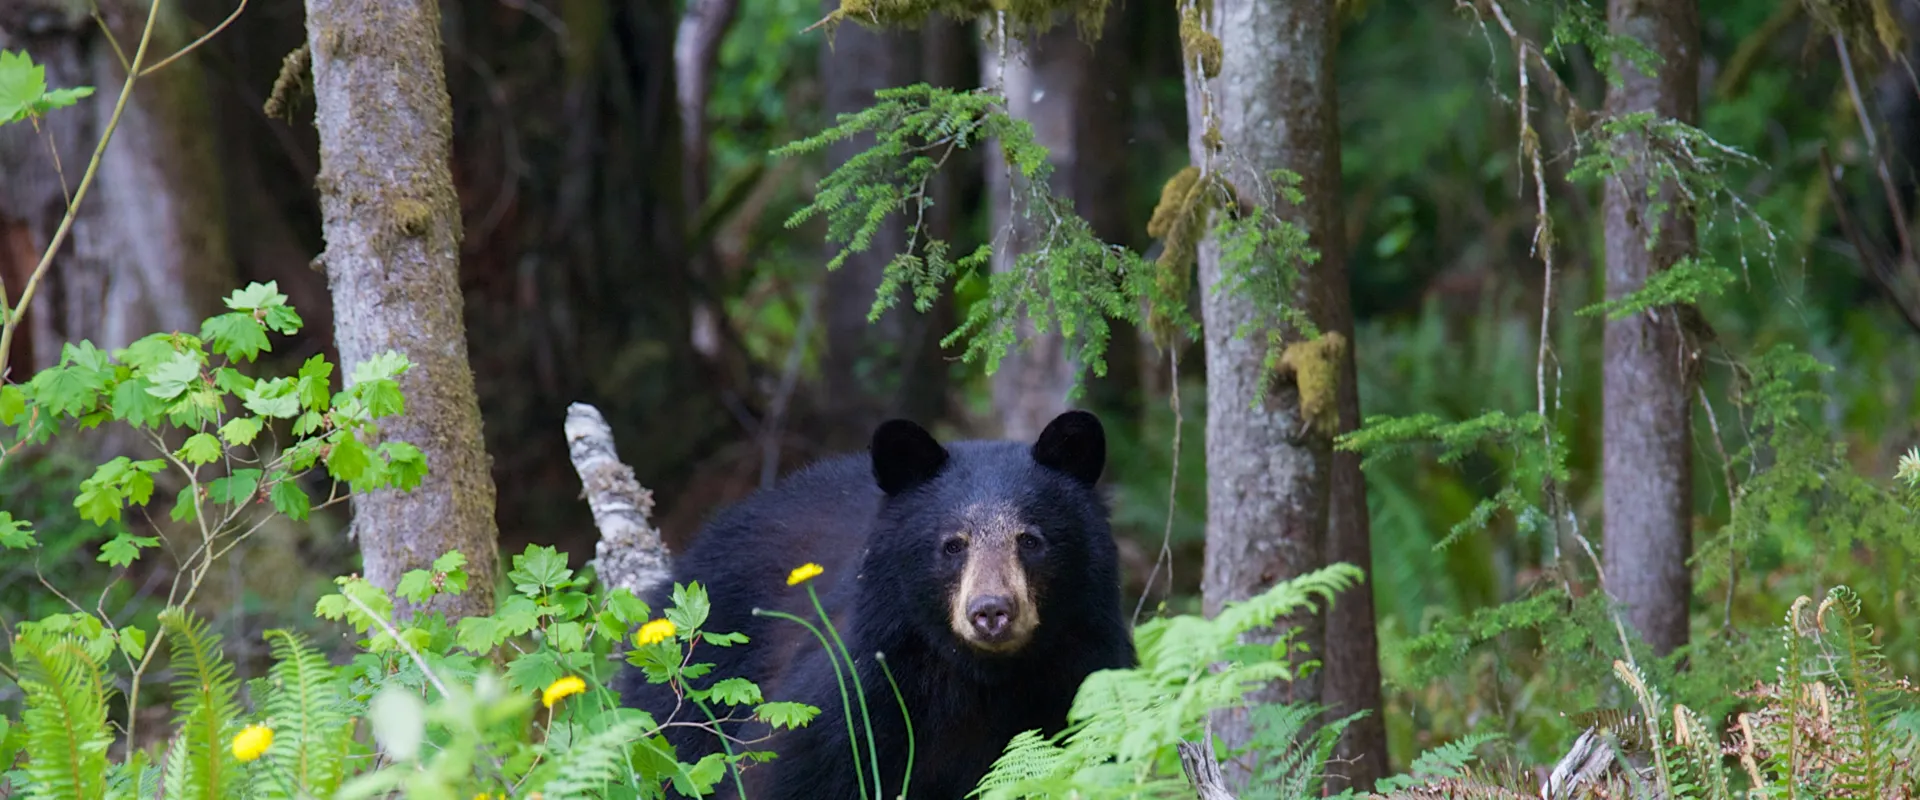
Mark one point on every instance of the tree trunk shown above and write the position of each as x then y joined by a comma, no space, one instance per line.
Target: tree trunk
1045,78
1351,665
1270,475
696,49
863,375
392,225
148,252
1647,467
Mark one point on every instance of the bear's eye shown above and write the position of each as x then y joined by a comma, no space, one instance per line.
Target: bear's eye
1029,541
954,546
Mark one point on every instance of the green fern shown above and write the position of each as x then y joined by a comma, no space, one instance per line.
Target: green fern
591,763
65,718
1289,751
1446,762
1125,724
305,705
205,707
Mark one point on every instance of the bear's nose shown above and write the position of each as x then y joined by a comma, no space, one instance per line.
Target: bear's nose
992,616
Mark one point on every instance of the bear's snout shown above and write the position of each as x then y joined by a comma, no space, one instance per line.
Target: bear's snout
992,617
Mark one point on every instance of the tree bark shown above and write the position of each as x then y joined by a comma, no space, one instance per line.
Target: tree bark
392,226
148,251
1647,466
862,367
696,48
1271,477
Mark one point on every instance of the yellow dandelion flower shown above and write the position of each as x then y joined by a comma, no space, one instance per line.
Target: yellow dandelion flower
803,573
655,632
252,742
565,687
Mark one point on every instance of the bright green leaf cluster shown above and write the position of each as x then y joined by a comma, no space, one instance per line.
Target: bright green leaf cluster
23,90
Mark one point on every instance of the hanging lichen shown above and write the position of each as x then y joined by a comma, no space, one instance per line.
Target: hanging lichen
1314,367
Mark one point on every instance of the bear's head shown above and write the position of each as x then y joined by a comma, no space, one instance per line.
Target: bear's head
986,542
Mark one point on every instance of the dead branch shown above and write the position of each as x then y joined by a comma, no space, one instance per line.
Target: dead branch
630,554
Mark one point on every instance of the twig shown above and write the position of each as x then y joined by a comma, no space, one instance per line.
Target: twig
789,378
195,44
402,643
1173,485
1726,472
86,181
630,554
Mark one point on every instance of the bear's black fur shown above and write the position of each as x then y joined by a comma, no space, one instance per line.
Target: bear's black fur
882,527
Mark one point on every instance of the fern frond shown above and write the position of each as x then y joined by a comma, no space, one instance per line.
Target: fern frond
305,706
591,763
205,707
65,718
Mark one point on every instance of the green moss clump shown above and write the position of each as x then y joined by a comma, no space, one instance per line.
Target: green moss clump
1196,42
1314,367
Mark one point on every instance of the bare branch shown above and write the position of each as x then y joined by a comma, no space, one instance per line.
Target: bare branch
630,554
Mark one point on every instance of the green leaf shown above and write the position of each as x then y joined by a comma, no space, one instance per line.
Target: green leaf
22,83
201,448
538,570
133,642
275,398
416,586
449,561
23,89
74,386
479,635
125,549
172,378
291,500
257,296
150,351
699,781
13,404
16,534
236,488
567,637
241,431
690,606
785,715
533,671
135,403
182,505
349,460
735,692
236,335
406,465
628,608
313,383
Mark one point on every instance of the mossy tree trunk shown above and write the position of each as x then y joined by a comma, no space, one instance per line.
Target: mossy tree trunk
1052,80
148,251
392,226
1272,478
1647,466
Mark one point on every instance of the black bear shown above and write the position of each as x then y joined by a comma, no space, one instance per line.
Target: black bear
985,571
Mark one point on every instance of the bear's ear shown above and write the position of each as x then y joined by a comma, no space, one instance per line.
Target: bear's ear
905,455
1073,443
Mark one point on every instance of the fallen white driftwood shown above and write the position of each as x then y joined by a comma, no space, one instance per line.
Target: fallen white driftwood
629,554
